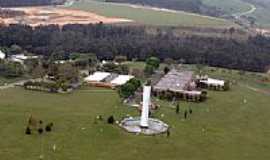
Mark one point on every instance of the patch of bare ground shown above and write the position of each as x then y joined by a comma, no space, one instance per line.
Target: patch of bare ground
35,16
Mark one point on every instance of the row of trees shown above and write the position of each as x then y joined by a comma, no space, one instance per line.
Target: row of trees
115,68
135,42
12,3
11,69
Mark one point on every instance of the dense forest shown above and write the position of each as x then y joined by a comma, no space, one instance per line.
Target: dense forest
195,6
14,3
136,42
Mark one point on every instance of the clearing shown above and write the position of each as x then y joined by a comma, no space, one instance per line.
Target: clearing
35,16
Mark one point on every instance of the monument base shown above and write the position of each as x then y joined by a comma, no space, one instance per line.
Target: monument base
155,126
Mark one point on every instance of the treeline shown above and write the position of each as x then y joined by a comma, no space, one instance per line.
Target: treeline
136,42
7,13
195,6
16,3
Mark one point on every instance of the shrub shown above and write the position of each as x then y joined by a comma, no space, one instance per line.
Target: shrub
110,120
129,88
48,127
40,130
177,108
27,130
166,70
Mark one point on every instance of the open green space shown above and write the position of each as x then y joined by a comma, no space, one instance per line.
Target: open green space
229,125
150,17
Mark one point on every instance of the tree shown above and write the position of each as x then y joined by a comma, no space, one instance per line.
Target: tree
48,127
177,108
185,114
153,61
232,30
200,69
129,88
11,69
120,59
149,69
28,130
166,70
169,61
67,73
39,72
110,120
226,86
15,49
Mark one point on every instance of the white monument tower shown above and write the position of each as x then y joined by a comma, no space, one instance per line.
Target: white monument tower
145,107
144,124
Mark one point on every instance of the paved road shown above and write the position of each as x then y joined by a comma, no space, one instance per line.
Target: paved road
252,9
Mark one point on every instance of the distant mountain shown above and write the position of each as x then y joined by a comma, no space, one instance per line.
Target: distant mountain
16,3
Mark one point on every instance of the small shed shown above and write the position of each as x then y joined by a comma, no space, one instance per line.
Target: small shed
2,55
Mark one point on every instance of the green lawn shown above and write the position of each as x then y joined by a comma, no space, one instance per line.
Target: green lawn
223,127
150,17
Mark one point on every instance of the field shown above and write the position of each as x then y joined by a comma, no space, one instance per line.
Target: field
229,125
150,16
36,16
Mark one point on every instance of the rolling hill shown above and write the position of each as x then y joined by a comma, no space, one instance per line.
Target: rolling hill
150,15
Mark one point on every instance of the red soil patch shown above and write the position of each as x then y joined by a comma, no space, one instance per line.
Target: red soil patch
35,16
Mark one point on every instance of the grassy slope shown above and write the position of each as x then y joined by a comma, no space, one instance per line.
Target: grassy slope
229,6
146,16
261,14
232,129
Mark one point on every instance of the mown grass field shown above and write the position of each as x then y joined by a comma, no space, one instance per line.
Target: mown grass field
150,17
224,127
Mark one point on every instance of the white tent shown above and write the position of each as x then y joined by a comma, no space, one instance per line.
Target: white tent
2,55
214,82
97,77
121,80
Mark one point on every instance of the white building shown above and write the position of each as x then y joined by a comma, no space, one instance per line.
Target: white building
21,58
213,82
106,79
121,80
97,77
2,55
